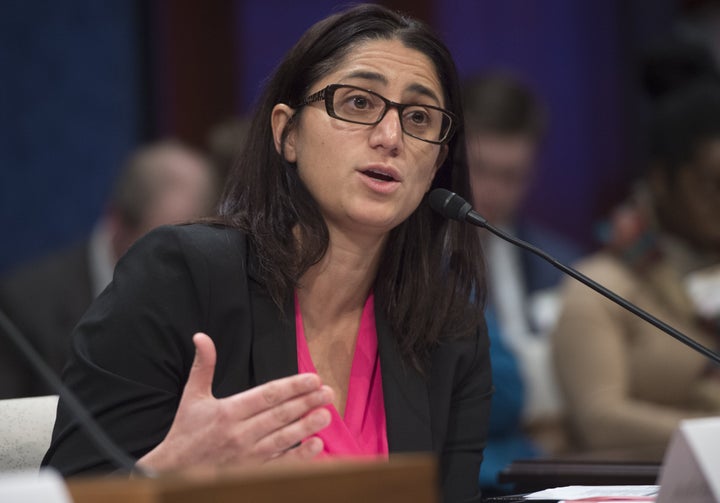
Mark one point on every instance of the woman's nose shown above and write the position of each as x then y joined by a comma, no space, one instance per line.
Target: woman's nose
388,132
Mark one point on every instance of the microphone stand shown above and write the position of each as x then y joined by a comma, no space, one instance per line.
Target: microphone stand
453,206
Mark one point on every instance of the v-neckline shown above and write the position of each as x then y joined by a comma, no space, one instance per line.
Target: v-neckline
365,349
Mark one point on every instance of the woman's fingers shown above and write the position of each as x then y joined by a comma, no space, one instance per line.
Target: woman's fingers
292,410
271,394
286,439
199,383
277,435
308,449
282,426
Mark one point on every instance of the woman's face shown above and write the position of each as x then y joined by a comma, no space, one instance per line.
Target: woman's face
366,179
690,204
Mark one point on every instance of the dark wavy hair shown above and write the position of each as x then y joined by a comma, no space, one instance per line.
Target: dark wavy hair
430,281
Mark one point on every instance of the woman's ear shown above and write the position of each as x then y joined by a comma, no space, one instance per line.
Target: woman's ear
283,131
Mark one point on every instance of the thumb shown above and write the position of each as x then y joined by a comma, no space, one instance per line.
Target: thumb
199,383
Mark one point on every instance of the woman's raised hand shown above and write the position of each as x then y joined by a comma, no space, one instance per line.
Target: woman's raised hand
265,423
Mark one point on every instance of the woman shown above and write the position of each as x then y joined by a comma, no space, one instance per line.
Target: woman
628,385
327,261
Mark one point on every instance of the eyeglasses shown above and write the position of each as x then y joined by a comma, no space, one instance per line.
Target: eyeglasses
360,106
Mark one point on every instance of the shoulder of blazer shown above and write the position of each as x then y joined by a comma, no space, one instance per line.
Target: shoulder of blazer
210,239
209,260
225,246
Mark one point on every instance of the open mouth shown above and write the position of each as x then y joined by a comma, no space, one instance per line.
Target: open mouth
379,175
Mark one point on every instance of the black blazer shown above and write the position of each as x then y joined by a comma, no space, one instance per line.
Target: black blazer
132,352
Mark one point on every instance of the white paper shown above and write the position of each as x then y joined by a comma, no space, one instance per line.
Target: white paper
45,486
578,492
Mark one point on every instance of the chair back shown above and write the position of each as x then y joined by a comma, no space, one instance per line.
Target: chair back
26,426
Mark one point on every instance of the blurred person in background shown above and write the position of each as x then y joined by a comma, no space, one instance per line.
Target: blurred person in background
225,143
161,183
626,384
505,125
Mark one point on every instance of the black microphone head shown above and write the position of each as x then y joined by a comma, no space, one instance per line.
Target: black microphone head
449,204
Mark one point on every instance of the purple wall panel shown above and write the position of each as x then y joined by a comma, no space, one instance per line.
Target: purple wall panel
266,31
568,52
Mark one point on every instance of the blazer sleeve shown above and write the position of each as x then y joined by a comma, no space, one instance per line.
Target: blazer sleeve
132,350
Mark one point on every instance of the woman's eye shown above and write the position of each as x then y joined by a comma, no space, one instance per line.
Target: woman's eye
360,102
418,117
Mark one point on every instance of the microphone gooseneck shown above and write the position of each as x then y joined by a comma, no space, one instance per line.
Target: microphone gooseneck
454,207
101,440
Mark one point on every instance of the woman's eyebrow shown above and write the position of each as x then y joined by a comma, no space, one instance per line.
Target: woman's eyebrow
378,77
425,91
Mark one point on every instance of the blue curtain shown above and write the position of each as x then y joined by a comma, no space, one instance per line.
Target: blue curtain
70,108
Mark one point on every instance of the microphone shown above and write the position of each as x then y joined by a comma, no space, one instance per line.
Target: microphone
454,207
101,440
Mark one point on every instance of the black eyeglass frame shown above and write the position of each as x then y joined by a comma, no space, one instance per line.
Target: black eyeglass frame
328,92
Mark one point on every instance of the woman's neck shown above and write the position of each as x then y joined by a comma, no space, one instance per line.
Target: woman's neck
338,285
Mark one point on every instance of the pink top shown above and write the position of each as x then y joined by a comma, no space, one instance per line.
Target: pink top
362,431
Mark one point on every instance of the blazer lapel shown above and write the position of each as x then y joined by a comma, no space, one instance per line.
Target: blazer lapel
407,407
274,350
